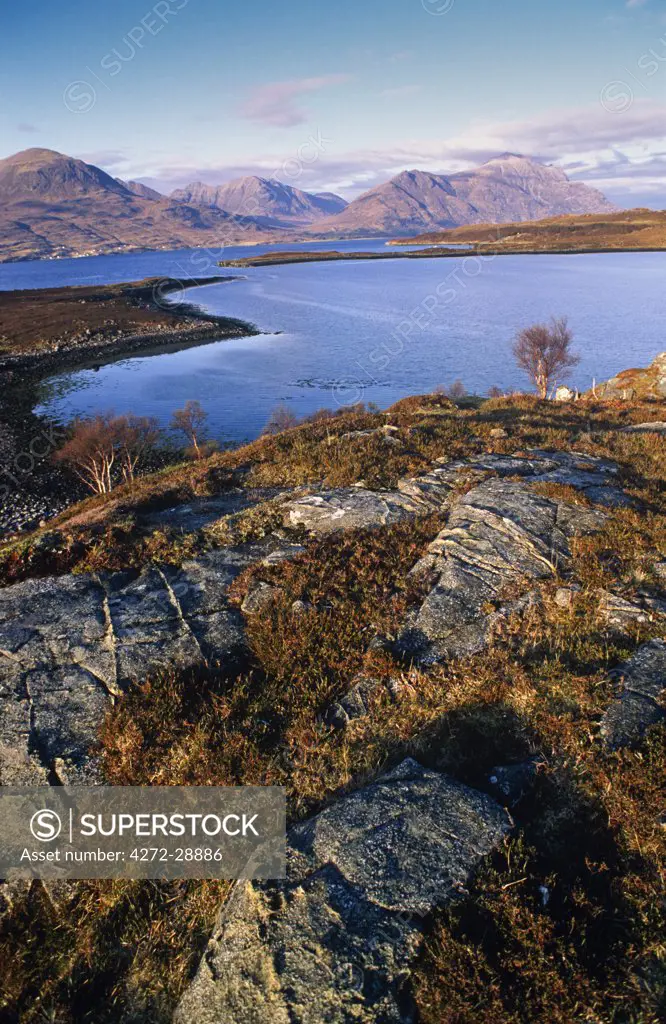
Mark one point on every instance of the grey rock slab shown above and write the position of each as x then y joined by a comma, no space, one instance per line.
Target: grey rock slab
336,940
202,512
643,679
499,533
658,427
622,614
357,507
260,599
610,497
355,703
70,645
349,509
619,613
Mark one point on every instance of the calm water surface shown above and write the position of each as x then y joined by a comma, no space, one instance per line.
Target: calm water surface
375,331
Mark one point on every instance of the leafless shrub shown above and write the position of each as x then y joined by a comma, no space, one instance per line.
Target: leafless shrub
281,418
544,351
137,436
106,448
191,421
319,415
454,391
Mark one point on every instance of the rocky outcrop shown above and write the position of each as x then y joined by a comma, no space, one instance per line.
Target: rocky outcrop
621,614
642,680
358,700
352,508
635,384
70,645
336,940
500,534
657,427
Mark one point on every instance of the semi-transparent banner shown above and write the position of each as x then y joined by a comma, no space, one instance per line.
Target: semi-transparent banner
142,832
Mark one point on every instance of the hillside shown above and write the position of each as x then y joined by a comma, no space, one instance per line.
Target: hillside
52,205
269,200
440,628
628,229
509,188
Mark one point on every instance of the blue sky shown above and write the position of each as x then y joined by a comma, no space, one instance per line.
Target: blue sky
341,96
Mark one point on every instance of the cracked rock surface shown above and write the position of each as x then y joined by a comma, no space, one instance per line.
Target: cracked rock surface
335,941
642,679
352,508
500,533
69,645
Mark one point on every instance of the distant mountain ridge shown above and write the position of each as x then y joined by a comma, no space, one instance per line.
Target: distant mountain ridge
265,199
55,205
508,188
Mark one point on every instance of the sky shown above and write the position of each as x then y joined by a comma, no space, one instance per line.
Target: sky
340,96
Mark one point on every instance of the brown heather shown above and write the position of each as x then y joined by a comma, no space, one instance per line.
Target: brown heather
566,922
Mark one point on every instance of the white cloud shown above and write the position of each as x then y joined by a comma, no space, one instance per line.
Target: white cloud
592,145
275,103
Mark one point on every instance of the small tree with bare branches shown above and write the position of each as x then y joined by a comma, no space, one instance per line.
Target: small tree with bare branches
281,418
544,351
136,437
191,421
105,449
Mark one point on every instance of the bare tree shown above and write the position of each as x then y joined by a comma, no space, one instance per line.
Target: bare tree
136,436
191,421
319,415
281,418
544,351
454,391
105,448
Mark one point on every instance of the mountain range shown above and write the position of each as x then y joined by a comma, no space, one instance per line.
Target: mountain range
54,205
508,188
266,199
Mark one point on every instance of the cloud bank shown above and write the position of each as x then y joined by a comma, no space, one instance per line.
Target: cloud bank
621,152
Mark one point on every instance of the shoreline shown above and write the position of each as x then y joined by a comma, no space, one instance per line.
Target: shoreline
190,326
32,490
435,252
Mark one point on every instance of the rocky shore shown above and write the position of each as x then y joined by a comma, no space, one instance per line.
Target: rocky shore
116,322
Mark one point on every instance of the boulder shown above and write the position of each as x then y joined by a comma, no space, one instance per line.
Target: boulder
70,645
336,940
355,703
353,508
621,614
642,679
641,383
498,534
260,599
658,427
